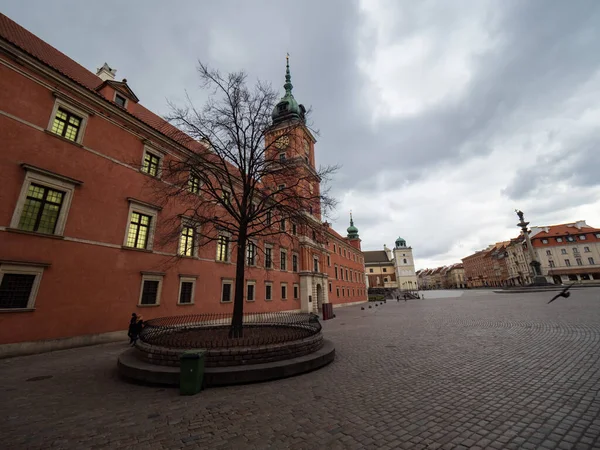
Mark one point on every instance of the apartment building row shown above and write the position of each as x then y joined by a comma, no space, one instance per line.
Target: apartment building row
444,277
567,253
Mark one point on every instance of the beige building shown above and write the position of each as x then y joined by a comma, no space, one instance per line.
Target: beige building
392,268
404,266
568,252
518,262
379,268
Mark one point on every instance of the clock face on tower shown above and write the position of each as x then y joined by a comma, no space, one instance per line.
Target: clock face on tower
282,142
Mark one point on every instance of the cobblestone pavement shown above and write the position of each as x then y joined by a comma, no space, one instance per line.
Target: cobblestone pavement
478,371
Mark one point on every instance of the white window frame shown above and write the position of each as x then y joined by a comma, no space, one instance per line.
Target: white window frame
161,157
269,246
122,96
187,279
252,242
225,281
284,251
52,181
250,283
189,183
151,277
296,293
228,256
23,269
268,283
60,103
294,254
282,285
185,222
142,208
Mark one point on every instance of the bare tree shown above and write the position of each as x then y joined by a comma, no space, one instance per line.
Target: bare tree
236,186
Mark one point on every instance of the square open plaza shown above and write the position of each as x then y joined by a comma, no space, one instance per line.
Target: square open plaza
464,371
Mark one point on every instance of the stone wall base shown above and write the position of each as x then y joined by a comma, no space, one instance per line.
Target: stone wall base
33,347
339,305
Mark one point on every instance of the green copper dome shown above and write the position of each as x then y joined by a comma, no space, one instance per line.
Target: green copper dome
288,108
400,242
352,230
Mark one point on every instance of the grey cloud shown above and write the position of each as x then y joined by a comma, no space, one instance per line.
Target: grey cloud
542,52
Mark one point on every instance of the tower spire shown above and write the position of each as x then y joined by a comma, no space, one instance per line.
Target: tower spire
352,230
288,77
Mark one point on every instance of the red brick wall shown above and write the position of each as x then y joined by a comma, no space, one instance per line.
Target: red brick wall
92,284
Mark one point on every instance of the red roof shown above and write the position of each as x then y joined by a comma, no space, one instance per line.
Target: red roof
44,52
564,229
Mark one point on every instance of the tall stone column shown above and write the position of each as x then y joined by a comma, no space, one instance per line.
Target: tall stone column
536,266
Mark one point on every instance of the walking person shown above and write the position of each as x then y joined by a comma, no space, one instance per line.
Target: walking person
137,329
132,327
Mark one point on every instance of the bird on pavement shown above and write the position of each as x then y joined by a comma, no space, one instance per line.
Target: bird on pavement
562,293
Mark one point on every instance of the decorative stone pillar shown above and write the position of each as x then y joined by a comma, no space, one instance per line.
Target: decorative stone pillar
536,266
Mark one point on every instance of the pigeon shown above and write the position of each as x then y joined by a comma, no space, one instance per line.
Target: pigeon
562,293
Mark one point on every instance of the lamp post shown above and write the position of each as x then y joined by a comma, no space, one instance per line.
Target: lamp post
536,266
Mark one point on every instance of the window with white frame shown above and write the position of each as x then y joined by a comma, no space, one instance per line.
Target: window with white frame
151,162
250,253
223,248
328,261
141,225
315,264
226,291
19,284
187,240
187,288
250,290
296,291
283,259
120,100
548,252
268,256
283,291
194,183
582,237
586,249
591,260
268,290
44,201
294,263
151,289
68,121
563,251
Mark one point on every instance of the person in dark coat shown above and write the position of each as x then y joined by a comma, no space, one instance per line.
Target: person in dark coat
137,329
132,327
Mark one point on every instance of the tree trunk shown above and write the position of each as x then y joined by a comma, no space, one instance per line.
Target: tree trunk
237,321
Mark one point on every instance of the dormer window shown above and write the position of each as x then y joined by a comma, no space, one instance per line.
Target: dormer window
120,100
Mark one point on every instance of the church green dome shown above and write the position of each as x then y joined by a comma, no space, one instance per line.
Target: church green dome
400,242
287,108
352,230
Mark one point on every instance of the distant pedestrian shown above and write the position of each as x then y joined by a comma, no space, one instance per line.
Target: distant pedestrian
137,329
132,327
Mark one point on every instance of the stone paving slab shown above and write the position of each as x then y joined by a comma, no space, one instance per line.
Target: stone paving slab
479,371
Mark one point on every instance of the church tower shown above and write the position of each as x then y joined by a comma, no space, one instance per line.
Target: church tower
404,265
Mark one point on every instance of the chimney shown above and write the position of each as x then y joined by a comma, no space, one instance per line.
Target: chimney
106,73
388,252
580,224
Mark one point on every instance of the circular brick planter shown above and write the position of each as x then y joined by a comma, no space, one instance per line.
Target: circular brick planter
274,345
235,356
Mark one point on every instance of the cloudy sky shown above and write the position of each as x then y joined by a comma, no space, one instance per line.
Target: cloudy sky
445,115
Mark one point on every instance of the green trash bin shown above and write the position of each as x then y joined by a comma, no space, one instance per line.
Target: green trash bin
191,372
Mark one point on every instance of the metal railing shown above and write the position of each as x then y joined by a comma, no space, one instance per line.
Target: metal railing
211,331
